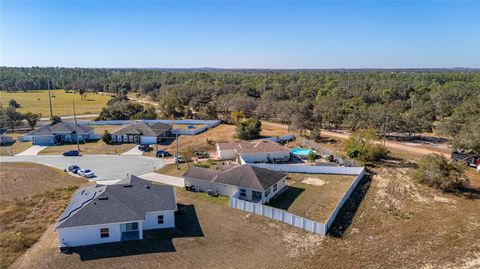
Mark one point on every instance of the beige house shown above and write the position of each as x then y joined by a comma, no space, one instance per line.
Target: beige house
246,182
258,151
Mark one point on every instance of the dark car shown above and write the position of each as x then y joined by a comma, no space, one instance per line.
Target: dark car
144,147
202,155
71,153
162,153
73,168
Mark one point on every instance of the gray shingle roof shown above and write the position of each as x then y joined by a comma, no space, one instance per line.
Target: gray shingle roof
117,203
246,176
145,129
61,128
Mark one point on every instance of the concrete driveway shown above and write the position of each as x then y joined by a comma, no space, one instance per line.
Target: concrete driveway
133,151
33,150
164,179
106,167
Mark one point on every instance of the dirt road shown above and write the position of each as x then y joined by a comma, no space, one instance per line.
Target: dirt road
420,149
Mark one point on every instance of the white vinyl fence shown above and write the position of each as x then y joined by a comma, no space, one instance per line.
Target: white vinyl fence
294,220
278,214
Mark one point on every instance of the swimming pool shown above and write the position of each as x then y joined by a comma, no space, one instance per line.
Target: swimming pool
300,151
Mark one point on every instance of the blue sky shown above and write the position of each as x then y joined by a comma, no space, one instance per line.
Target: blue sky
236,34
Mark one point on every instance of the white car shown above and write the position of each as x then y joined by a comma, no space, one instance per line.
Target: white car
85,173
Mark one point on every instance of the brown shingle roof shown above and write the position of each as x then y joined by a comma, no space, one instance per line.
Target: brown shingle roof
253,146
145,129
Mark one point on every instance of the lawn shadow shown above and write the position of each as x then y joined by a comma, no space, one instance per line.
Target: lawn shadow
154,241
349,209
285,199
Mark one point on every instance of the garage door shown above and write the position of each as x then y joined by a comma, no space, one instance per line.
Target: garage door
148,140
42,141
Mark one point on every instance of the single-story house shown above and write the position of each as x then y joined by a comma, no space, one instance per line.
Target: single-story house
142,133
111,213
257,151
61,132
5,139
246,182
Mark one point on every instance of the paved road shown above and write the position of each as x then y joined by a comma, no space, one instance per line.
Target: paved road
391,145
104,166
71,117
33,150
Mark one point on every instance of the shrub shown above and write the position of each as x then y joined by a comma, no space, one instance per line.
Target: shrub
311,156
55,119
106,137
249,129
435,171
315,134
361,145
202,165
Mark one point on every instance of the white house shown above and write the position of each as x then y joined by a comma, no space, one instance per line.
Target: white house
253,151
111,213
250,183
61,132
142,133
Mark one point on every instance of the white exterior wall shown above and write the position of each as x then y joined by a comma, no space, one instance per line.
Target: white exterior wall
151,220
263,156
89,235
148,139
280,185
226,154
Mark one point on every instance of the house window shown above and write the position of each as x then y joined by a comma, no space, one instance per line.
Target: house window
131,226
104,233
275,187
267,193
160,219
114,138
125,138
243,192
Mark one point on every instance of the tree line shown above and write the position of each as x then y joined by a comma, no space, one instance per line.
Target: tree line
407,102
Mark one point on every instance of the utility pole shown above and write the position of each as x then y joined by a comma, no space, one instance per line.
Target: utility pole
176,154
76,125
50,98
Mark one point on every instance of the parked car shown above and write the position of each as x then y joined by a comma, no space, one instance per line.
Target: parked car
162,153
144,147
202,154
469,159
86,173
179,159
71,153
73,168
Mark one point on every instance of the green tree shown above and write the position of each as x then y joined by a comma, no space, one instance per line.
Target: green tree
13,118
249,129
435,171
468,138
31,119
55,119
187,153
107,137
237,116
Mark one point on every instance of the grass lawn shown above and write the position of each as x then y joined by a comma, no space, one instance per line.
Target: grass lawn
31,198
313,196
16,147
37,102
94,147
171,169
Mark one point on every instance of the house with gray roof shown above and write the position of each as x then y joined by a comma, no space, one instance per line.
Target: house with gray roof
245,182
112,213
257,151
142,133
61,132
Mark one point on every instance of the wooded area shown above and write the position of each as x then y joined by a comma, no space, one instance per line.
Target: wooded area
409,102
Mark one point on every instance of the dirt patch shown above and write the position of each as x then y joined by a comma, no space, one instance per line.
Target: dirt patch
314,181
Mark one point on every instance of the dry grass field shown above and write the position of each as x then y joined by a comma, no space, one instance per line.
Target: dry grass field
31,198
37,102
313,196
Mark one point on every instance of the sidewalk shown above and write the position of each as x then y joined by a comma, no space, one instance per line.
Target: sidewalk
33,150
